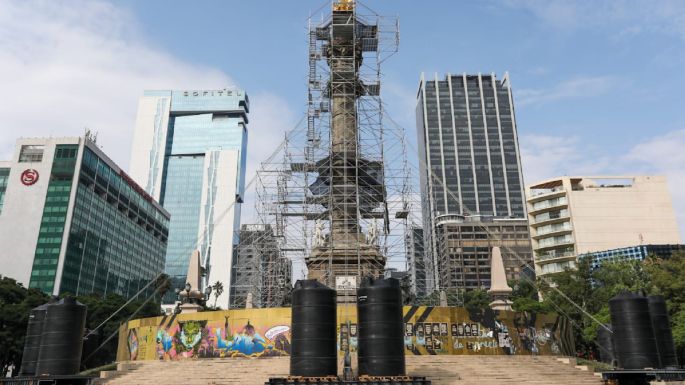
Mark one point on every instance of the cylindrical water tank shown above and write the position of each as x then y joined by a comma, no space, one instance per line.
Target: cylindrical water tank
62,338
605,344
34,329
313,350
381,331
662,332
634,342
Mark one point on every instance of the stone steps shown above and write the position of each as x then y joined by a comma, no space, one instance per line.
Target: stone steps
441,370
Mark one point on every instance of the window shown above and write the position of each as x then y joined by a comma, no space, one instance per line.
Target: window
31,153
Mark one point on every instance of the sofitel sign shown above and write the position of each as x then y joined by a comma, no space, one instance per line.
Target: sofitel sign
29,177
208,93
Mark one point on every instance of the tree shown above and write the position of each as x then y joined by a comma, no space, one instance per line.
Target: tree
524,297
476,300
217,289
101,345
667,280
582,295
16,302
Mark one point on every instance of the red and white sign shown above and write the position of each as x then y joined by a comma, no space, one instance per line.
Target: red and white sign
29,177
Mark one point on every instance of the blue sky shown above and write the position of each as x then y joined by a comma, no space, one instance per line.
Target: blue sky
597,84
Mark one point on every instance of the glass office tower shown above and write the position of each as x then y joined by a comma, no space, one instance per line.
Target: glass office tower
470,176
76,222
189,151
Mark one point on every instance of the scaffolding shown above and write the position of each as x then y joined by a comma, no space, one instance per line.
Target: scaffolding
261,276
338,192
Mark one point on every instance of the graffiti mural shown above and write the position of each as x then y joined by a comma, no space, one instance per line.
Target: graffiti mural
254,333
206,339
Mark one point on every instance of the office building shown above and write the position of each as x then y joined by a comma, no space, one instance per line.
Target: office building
260,270
470,175
638,253
189,152
73,222
416,264
464,247
570,216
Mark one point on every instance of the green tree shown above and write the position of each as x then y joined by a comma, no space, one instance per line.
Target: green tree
475,301
667,280
101,345
583,294
16,302
524,297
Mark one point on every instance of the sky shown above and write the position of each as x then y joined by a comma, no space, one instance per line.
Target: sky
597,85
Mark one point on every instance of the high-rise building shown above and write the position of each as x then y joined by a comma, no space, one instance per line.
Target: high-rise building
75,223
189,152
471,182
416,264
259,269
570,216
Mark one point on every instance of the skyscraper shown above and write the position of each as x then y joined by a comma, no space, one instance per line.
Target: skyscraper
76,223
189,152
415,260
471,179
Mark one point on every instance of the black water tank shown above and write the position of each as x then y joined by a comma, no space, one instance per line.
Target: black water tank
662,332
605,344
62,338
634,342
381,329
313,350
34,329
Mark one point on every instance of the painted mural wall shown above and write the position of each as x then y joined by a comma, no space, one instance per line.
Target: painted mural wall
266,333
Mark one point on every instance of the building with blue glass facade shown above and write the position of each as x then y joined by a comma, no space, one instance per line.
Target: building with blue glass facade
639,253
189,152
76,223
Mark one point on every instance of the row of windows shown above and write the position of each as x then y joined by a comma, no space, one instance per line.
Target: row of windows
54,217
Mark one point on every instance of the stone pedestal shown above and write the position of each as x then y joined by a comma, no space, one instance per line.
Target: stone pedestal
190,308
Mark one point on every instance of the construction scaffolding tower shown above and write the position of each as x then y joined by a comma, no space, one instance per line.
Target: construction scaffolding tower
338,192
261,276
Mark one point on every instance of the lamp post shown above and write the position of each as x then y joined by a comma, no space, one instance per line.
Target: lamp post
191,300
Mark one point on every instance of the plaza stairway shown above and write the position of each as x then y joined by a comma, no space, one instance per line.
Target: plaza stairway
440,369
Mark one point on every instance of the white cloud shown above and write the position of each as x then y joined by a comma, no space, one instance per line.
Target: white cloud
270,118
627,17
545,156
580,87
548,156
66,65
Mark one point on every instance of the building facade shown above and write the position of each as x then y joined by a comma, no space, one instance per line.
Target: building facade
189,153
570,216
259,270
416,264
76,222
470,175
465,245
638,253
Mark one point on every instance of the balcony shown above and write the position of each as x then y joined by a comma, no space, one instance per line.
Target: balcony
549,218
537,195
552,229
554,242
548,205
554,256
554,268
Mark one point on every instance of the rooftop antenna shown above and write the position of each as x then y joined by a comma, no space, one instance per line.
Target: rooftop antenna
91,135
